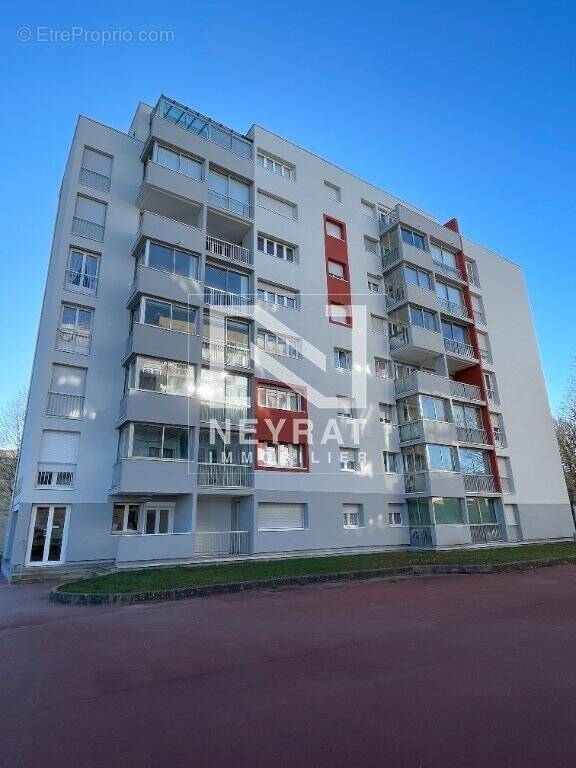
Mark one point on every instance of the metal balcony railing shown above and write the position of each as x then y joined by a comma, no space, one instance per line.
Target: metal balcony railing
55,475
415,482
476,483
89,229
485,533
222,543
421,536
94,179
82,281
448,270
73,341
219,298
460,348
228,250
473,435
412,430
465,391
65,406
229,204
218,353
234,413
452,308
225,475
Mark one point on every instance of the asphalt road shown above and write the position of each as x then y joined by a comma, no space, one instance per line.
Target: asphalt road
446,671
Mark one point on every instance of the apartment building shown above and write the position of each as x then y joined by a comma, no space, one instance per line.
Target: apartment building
245,350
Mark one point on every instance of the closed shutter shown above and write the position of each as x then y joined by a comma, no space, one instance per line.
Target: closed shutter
281,517
90,210
59,447
97,162
276,205
355,509
68,380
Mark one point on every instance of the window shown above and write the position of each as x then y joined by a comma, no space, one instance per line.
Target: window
284,297
278,397
441,457
418,277
413,238
82,271
158,521
395,515
484,347
418,512
334,229
229,193
125,518
434,408
177,161
283,455
225,287
391,462
165,376
75,331
472,272
352,515
66,395
96,169
276,205
481,511
338,313
449,293
478,309
423,318
371,246
276,248
408,409
490,382
378,324
468,416
386,413
283,346
272,516
473,461
374,284
47,542
455,332
154,441
89,218
336,269
447,511
349,460
171,260
442,256
381,368
170,317
368,209
57,458
280,168
343,359
332,191
345,407
414,458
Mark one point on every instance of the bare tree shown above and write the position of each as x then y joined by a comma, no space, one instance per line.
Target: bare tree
566,436
12,415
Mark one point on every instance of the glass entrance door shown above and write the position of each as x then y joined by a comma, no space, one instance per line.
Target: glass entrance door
48,533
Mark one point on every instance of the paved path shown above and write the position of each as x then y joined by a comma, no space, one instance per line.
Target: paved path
446,671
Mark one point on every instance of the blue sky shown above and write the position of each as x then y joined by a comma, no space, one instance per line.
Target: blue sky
466,113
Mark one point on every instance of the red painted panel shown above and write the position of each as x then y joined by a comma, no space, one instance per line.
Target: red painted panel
336,249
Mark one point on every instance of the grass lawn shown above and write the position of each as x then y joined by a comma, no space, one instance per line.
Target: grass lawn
147,579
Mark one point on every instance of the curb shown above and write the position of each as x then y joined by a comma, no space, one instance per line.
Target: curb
182,593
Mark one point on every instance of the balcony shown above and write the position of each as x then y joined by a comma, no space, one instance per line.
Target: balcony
219,353
170,193
216,297
425,382
412,430
414,344
476,483
163,229
230,251
452,308
152,476
139,405
152,341
73,341
230,204
415,482
391,257
465,391
88,229
432,482
472,435
149,281
459,348
388,220
485,533
233,413
65,406
448,270
225,475
222,543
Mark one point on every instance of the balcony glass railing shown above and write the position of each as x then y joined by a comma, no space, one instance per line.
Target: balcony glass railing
465,391
229,203
412,430
202,126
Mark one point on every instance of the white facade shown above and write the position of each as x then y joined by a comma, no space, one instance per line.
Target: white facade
448,442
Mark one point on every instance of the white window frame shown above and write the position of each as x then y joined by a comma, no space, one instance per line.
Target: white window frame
135,368
270,392
44,562
125,530
141,313
279,298
349,460
144,258
267,448
88,291
264,337
271,247
340,354
157,508
392,519
128,430
391,461
352,520
280,168
179,155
